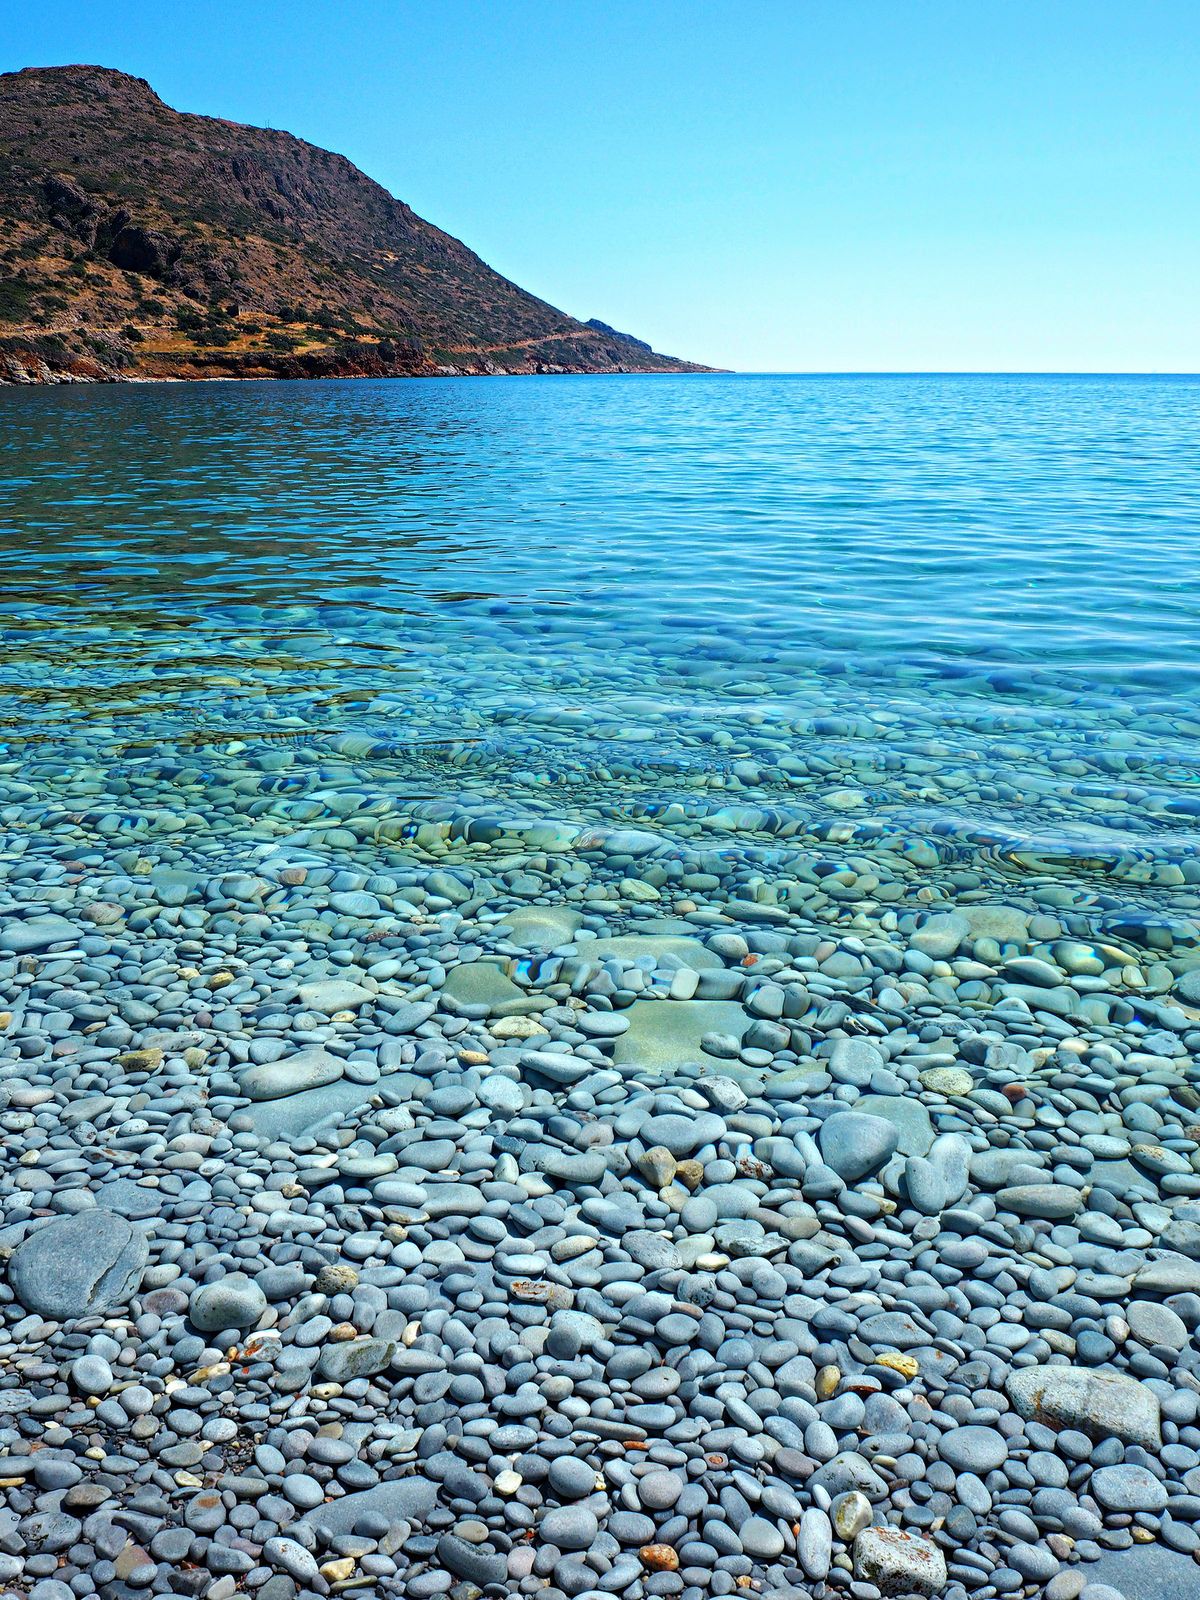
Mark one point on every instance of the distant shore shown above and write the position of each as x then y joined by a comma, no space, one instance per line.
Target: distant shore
32,371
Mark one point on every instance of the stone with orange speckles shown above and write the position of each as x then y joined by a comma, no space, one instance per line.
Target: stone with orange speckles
659,1558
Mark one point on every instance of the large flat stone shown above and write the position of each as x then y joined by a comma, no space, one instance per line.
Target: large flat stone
1005,924
301,1113
543,927
129,1199
335,994
634,946
1169,1274
483,983
311,1068
20,936
906,1114
1147,1572
1101,1404
79,1265
666,1034
408,1499
1124,1179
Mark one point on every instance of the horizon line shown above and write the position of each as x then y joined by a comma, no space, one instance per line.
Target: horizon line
936,372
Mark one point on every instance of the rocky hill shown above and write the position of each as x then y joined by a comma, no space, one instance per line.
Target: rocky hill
141,242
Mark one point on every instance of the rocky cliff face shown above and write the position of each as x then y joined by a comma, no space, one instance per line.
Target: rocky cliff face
141,242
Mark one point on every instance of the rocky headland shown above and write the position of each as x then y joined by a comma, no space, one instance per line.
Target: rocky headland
141,242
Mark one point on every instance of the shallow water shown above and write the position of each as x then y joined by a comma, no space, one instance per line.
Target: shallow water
949,621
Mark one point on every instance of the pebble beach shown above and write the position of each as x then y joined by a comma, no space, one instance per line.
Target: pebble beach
544,1055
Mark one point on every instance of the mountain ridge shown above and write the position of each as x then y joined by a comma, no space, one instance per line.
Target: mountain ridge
140,242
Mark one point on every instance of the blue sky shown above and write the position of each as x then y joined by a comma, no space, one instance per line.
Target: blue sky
812,185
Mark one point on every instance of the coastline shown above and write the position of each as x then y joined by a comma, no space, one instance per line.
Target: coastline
36,373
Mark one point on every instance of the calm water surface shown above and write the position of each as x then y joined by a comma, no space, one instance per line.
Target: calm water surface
914,636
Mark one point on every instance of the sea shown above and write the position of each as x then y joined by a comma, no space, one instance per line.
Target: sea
934,633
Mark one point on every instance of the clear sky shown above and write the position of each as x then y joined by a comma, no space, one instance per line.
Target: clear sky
809,185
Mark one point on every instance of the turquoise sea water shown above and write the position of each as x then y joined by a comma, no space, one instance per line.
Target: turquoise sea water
916,637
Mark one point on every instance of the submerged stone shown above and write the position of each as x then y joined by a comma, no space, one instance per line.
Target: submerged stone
855,1145
543,927
293,1114
911,1120
687,952
664,1035
22,936
334,994
483,983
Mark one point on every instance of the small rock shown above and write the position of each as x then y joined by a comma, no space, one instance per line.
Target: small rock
898,1563
92,1375
337,1278
235,1301
850,1514
814,1543
355,1358
569,1528
658,1558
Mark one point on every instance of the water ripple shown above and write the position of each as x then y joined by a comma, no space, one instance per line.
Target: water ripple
950,616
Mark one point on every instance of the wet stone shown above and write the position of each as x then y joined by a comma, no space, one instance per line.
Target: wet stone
974,1449
855,1146
1099,1403
1128,1488
898,1562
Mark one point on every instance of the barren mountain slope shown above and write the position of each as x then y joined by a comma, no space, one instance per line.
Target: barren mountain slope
139,241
